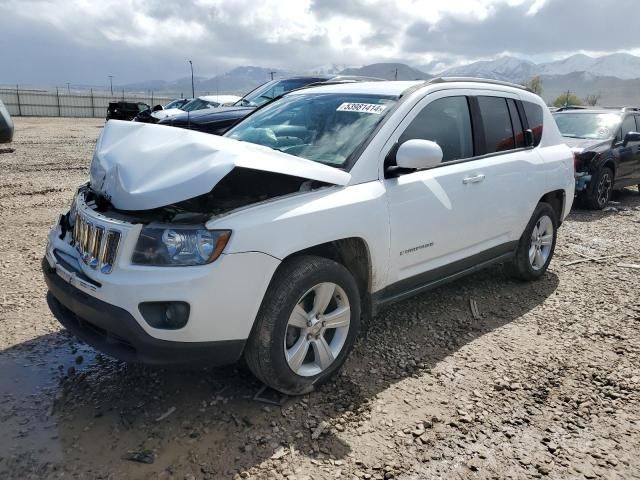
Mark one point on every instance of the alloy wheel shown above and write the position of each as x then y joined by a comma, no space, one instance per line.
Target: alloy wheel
317,329
604,189
541,242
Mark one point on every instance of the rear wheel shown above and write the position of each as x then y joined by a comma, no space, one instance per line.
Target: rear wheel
536,245
306,326
600,189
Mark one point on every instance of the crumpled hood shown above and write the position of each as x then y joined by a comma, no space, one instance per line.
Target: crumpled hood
141,166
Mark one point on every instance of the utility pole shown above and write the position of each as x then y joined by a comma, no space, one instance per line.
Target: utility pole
272,74
68,88
396,75
566,100
193,90
111,84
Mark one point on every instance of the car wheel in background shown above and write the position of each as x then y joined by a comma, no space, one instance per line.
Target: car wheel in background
306,326
600,188
536,245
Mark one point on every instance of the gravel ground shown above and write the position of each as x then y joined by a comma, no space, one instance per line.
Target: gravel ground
545,383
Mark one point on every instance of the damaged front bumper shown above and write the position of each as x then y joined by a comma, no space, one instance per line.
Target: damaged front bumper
114,331
582,181
104,309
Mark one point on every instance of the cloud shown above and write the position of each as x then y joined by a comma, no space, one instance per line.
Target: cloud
83,41
530,28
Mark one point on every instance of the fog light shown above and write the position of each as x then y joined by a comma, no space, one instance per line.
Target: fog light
165,315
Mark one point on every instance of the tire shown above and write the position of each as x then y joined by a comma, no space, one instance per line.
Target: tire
600,188
299,288
534,254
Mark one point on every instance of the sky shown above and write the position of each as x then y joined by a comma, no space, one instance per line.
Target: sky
47,42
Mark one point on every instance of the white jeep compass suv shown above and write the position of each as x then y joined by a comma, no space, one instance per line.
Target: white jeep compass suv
316,210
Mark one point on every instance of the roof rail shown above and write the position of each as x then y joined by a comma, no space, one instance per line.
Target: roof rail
477,80
573,107
614,107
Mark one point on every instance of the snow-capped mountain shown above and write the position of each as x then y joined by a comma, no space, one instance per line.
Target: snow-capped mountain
620,65
503,68
388,71
329,69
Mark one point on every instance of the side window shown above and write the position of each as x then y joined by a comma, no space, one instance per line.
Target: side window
628,125
496,121
534,118
447,122
517,123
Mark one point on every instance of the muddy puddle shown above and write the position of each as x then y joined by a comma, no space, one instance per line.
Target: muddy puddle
61,403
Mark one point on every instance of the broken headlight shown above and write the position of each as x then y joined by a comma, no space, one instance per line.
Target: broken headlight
179,246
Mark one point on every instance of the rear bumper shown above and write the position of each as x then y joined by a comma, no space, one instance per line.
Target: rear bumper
114,331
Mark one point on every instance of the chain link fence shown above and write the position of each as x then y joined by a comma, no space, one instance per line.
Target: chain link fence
90,104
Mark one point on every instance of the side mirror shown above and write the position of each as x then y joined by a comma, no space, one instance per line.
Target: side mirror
418,154
631,137
157,108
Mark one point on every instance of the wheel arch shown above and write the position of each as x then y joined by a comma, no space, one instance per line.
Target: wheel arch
556,199
354,254
611,164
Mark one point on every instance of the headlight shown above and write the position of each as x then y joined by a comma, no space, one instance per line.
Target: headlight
179,246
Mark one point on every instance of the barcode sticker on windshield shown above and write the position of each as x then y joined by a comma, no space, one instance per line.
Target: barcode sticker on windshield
362,107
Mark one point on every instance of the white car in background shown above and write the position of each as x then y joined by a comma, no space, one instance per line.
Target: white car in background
272,241
199,103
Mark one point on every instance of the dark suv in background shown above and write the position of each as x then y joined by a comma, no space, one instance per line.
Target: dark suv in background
606,146
222,119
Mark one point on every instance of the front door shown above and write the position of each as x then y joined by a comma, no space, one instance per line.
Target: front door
460,213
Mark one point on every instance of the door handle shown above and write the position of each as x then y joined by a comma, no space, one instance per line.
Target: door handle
475,179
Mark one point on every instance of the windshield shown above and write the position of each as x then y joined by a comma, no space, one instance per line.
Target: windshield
272,89
598,126
198,104
175,104
323,127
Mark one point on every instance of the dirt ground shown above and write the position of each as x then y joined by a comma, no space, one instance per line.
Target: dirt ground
546,383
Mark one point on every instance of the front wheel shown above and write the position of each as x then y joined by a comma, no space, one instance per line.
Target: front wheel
600,189
536,245
306,326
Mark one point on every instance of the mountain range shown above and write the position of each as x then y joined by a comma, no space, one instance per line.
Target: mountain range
615,77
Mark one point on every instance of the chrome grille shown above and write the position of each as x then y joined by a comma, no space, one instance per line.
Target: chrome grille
96,244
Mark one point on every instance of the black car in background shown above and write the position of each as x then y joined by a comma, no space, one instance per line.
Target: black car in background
606,146
125,110
222,119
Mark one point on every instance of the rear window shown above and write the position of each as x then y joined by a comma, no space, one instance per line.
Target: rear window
496,121
534,118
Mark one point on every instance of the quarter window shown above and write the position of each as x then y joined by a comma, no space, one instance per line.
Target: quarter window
497,124
447,122
534,118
